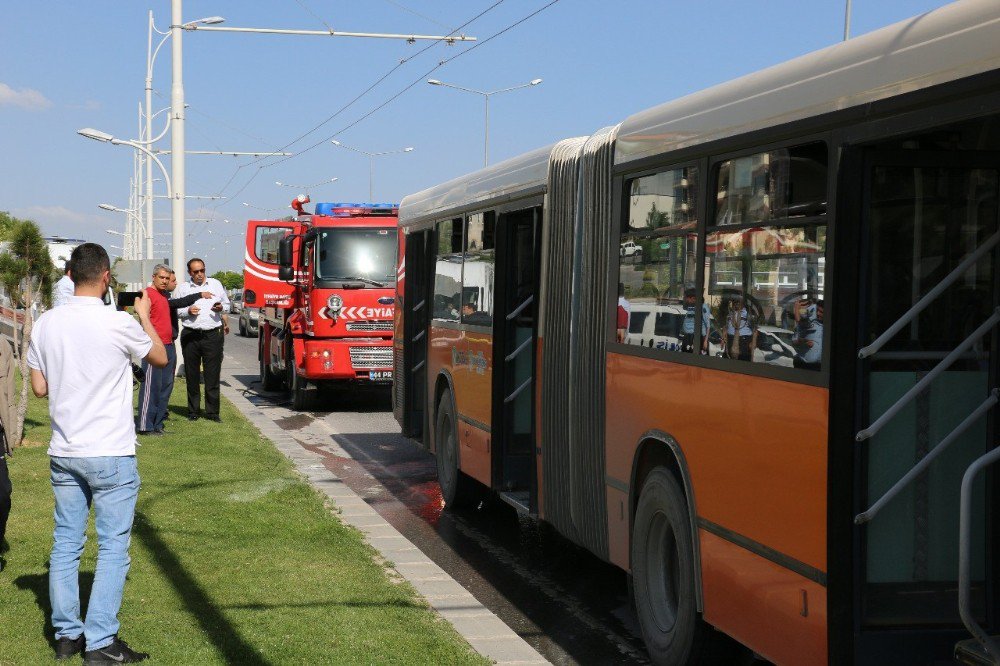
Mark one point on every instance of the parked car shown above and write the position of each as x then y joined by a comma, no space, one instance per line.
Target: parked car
631,249
236,302
248,322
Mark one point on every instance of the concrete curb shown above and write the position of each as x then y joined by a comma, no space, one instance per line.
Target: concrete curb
483,630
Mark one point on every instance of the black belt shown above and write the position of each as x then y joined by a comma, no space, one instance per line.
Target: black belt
200,331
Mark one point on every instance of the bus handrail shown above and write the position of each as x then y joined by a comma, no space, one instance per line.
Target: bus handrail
925,462
917,388
418,336
417,367
520,348
938,289
517,391
520,308
964,554
419,305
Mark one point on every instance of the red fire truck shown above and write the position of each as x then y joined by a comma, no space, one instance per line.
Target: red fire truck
326,285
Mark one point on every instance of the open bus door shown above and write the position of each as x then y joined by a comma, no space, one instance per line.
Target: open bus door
515,331
927,392
261,285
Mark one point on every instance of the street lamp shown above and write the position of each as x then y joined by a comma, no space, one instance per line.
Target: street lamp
371,162
132,233
486,95
177,115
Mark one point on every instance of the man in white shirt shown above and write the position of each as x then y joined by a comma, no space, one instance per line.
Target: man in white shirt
80,357
63,289
202,338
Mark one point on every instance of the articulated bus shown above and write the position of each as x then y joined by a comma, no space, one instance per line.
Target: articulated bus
740,345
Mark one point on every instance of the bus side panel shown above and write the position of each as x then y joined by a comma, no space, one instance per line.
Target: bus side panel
777,612
755,450
755,447
467,357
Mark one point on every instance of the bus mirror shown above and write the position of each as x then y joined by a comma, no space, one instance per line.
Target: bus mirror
285,254
286,273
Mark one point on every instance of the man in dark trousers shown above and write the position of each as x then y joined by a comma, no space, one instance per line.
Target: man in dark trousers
202,338
175,304
6,425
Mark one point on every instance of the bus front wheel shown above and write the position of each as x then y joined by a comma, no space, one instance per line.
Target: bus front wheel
663,575
456,488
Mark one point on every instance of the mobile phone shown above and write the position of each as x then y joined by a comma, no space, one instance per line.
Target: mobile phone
126,299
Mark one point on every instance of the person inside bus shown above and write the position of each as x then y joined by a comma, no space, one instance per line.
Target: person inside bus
740,340
808,337
470,315
687,327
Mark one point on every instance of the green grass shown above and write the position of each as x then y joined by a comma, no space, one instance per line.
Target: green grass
234,560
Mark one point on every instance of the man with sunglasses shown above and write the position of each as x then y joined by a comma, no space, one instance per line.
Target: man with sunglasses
202,338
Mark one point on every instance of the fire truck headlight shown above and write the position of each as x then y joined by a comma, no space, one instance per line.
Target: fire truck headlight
335,303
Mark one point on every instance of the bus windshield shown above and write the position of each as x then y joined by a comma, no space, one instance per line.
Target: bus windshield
363,255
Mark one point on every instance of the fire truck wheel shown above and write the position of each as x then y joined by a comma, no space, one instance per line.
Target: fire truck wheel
663,575
299,388
268,380
456,487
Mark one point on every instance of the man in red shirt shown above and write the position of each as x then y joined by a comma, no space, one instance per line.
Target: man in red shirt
154,391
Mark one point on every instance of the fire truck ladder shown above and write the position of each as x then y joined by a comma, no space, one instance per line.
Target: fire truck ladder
982,649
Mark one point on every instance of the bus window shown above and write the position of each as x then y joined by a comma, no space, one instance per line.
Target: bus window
765,290
448,270
480,262
776,185
657,260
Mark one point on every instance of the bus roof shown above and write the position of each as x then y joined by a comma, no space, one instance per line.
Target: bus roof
943,45
519,176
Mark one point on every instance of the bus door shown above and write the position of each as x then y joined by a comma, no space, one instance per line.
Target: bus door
515,335
926,397
415,307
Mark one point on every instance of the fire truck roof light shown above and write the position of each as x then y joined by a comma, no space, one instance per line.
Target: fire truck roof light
347,209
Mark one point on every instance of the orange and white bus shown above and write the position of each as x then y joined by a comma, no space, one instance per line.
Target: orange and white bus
740,345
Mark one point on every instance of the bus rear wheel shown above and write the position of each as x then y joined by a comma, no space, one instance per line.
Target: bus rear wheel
663,575
456,487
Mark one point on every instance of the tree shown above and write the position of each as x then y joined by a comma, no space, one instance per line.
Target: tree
26,273
230,279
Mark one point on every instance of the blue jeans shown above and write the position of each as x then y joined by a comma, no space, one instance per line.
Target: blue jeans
111,484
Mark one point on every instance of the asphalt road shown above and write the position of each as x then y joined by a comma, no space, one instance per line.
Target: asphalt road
569,605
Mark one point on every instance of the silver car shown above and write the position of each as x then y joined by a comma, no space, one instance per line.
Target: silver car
248,321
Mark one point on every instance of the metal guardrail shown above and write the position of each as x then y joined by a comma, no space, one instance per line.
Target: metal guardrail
938,289
917,388
925,462
965,556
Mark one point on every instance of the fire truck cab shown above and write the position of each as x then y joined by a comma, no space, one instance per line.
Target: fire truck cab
325,284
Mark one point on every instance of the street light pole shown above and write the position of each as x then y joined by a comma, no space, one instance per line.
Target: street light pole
486,96
177,136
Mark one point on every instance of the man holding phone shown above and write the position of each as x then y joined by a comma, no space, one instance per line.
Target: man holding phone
80,357
202,339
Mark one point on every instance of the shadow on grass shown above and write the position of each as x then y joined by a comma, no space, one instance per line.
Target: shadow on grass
38,584
219,630
398,603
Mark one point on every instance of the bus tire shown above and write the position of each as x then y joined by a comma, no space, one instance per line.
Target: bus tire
298,386
663,575
268,380
456,487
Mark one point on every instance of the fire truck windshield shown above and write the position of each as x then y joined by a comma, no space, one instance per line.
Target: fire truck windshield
365,255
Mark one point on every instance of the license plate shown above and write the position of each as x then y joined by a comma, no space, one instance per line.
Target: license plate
380,374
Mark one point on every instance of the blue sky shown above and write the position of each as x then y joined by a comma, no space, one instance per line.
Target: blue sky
67,65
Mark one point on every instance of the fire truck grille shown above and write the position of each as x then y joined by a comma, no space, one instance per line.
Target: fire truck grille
369,326
371,357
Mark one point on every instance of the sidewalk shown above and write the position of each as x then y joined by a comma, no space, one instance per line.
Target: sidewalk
484,631
234,560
